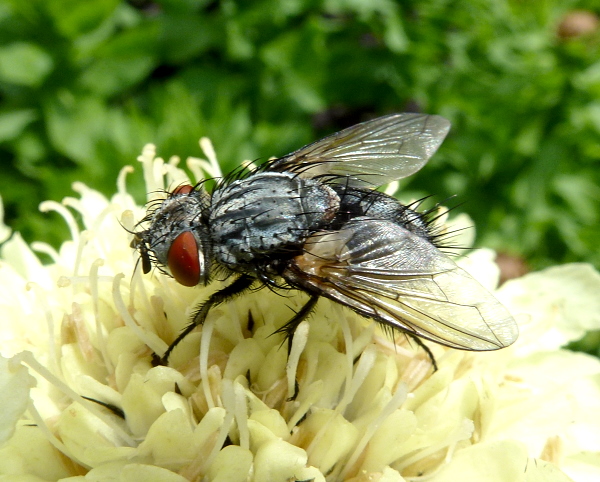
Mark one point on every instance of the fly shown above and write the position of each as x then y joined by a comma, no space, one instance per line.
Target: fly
312,221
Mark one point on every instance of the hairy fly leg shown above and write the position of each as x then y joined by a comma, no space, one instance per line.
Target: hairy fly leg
290,327
425,348
240,285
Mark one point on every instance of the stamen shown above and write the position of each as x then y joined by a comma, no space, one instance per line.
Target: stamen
40,294
47,206
214,170
207,330
151,339
46,249
394,404
100,333
28,358
298,343
121,182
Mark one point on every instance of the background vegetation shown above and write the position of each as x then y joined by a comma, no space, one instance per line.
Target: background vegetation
84,85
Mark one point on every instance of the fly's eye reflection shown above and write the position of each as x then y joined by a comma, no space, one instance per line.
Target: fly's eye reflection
312,221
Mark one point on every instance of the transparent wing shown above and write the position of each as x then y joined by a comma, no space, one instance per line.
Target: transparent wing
384,271
372,153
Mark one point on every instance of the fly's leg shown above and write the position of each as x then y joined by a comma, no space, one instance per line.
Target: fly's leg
237,287
290,327
113,408
425,348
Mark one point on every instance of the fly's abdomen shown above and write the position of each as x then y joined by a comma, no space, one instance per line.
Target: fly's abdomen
267,215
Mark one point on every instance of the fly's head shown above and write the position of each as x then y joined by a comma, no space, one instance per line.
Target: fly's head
176,239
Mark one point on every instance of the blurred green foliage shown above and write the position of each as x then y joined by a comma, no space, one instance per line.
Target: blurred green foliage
84,85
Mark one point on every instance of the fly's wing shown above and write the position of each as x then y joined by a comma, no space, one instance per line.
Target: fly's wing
383,271
372,153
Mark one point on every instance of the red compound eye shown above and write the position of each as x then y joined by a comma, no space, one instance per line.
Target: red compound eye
184,259
183,189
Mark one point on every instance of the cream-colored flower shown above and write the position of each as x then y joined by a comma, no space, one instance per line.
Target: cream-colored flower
82,400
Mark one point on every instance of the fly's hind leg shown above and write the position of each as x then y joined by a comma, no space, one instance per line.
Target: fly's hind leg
425,348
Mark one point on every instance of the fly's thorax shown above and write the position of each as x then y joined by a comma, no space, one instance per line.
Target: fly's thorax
267,216
176,239
320,203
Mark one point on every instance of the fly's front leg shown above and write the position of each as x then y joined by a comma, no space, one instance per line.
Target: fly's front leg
237,287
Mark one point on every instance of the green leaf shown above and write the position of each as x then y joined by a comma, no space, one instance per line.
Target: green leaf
24,63
13,123
74,17
74,124
110,76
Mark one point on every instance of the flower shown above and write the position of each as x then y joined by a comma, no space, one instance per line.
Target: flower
81,395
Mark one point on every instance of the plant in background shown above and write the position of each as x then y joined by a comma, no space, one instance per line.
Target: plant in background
84,84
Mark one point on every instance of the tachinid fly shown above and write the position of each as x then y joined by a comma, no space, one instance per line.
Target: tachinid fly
312,221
